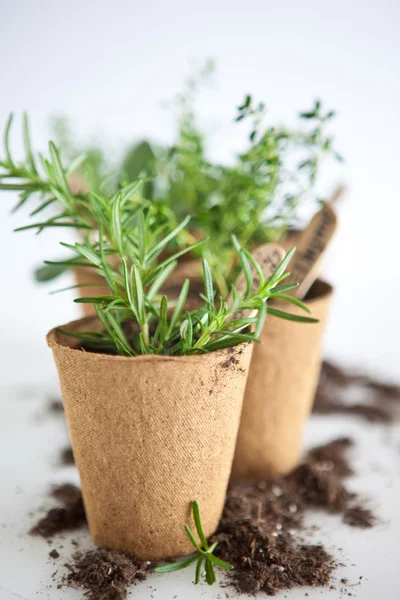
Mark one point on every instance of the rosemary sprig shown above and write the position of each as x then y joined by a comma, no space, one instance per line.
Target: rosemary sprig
124,241
204,554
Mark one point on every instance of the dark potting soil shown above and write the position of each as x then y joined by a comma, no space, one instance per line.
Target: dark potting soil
67,457
104,574
380,400
359,516
263,523
69,516
55,406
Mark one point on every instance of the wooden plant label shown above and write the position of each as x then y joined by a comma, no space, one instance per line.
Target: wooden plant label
311,246
269,256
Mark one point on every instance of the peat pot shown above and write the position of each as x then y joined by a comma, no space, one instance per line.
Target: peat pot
149,435
280,390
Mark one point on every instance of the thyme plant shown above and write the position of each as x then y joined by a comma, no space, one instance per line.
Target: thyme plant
257,196
123,241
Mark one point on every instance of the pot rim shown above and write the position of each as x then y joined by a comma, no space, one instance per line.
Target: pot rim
53,341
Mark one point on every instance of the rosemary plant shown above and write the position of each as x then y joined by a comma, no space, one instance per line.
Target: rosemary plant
124,242
255,198
203,554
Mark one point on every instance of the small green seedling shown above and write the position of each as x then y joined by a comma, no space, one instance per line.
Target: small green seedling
204,553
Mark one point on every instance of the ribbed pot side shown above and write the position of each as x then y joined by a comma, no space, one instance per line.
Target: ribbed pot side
280,390
149,435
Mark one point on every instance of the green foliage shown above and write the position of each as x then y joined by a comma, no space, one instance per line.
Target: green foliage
257,197
139,161
49,272
204,554
125,238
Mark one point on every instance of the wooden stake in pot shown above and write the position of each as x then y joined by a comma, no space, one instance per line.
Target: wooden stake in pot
150,434
311,245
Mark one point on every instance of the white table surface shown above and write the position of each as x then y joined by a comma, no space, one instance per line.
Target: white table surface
30,441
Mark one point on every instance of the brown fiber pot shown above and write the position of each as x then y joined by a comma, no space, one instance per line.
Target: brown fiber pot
280,390
150,434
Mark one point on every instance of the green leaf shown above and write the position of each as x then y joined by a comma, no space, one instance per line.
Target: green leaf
220,563
51,224
178,307
198,570
292,300
7,138
210,575
238,337
129,289
119,334
59,170
76,164
244,264
42,207
73,287
49,272
140,160
173,258
94,299
278,289
208,283
137,293
163,320
158,248
176,566
116,225
262,312
257,267
290,317
193,540
197,522
279,271
160,280
27,143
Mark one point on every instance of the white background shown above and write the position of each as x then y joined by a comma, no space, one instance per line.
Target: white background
109,66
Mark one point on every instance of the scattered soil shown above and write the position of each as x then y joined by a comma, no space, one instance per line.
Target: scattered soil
67,457
359,516
104,574
262,526
69,516
54,554
55,406
333,455
380,400
262,531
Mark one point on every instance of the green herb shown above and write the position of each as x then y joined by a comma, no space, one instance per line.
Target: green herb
204,554
256,197
124,238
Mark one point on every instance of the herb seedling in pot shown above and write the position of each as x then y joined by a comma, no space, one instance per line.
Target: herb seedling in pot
148,386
